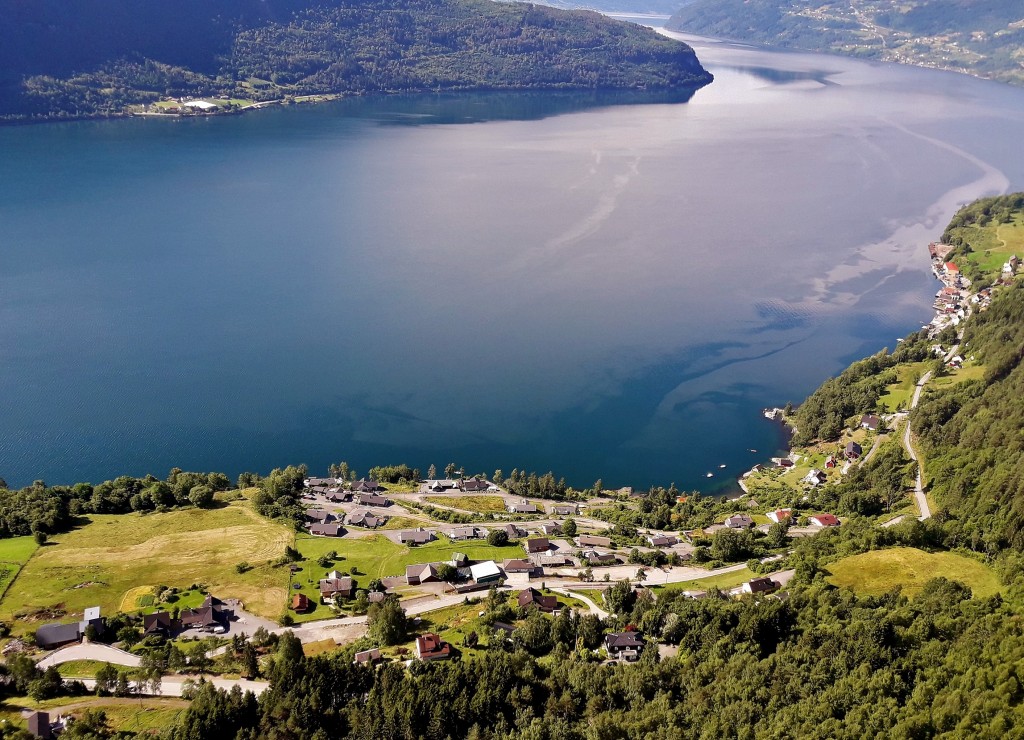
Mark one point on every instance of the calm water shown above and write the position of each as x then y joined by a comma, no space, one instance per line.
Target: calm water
544,282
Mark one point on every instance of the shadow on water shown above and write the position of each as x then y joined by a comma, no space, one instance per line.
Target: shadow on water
784,76
447,108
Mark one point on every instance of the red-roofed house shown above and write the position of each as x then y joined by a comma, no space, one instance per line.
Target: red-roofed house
952,269
824,520
431,647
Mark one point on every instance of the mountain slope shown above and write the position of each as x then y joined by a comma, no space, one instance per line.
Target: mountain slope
980,37
94,57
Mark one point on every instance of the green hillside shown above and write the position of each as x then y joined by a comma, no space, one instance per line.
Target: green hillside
95,57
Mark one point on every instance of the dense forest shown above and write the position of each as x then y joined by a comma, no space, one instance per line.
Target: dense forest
94,57
982,37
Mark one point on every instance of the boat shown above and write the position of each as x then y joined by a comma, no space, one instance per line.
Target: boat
711,475
720,467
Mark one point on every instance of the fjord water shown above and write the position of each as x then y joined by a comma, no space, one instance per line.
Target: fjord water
502,281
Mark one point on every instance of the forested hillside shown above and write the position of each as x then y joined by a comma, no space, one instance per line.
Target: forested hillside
981,37
973,435
94,57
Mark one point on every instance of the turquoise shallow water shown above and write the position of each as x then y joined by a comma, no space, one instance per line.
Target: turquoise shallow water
536,281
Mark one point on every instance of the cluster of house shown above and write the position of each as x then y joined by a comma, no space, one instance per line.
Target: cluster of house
952,302
619,645
744,521
213,615
324,523
469,485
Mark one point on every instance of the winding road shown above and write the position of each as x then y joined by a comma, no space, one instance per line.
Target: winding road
922,500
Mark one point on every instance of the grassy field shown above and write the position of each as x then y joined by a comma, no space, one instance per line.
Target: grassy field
101,562
80,668
475,504
992,245
14,553
128,715
721,581
879,571
899,394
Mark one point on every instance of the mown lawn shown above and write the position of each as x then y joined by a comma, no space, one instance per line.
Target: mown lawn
876,572
99,563
475,504
81,668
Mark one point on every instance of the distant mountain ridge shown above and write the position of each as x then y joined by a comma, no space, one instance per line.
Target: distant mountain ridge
93,57
980,37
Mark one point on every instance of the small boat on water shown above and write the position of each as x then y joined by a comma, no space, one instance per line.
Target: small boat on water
711,475
720,467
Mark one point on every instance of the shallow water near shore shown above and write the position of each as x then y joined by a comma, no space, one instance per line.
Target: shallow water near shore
563,282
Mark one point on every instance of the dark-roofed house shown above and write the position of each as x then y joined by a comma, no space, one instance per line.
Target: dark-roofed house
319,515
211,615
514,532
431,647
336,586
301,603
39,725
160,623
551,529
54,635
339,497
474,484
625,645
420,573
564,509
468,532
853,450
519,566
870,421
739,521
372,499
555,560
662,540
763,585
363,518
538,544
521,507
532,597
592,540
370,656
459,560
599,558
326,530
366,485
375,597
417,536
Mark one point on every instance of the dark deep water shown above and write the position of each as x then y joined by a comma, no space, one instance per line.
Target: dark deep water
503,281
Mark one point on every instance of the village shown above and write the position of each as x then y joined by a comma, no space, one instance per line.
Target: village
463,563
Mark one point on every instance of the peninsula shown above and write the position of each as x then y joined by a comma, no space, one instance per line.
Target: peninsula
95,58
